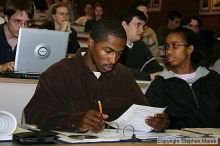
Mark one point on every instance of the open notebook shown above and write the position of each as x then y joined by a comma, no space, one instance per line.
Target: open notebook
37,49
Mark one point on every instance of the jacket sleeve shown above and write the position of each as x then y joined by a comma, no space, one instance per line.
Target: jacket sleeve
48,108
73,44
156,93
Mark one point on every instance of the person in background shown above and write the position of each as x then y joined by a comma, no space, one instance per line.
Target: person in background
18,13
174,19
205,37
67,94
88,15
61,22
98,12
69,6
149,36
137,55
189,90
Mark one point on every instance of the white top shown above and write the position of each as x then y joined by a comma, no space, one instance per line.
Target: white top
82,20
189,78
216,66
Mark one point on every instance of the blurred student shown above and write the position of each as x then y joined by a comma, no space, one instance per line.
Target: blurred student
67,94
69,6
88,15
205,37
190,92
174,19
61,22
18,13
98,12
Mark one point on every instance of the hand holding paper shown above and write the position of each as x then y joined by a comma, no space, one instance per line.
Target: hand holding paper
135,116
158,122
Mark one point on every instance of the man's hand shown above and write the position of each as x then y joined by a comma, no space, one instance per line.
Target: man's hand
92,120
153,75
159,122
7,66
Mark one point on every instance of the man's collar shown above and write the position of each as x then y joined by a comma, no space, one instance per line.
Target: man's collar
84,68
130,46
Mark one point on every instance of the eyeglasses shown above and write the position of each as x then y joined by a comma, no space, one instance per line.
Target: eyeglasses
21,23
63,14
173,45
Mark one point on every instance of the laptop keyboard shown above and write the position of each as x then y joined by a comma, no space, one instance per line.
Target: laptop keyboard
20,75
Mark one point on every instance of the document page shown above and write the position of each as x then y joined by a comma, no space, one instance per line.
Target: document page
135,117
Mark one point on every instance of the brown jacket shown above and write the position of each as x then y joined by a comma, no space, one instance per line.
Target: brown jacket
68,89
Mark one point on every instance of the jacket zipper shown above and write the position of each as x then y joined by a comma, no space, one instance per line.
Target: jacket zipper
197,103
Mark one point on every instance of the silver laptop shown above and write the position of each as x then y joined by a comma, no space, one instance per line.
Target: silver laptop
37,49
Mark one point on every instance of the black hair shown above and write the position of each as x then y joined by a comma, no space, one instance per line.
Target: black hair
12,6
187,20
173,14
190,38
128,16
105,27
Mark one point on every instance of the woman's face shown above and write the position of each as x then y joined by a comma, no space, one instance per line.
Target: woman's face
62,14
98,12
178,52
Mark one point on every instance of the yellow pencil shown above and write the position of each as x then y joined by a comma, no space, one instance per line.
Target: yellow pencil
100,106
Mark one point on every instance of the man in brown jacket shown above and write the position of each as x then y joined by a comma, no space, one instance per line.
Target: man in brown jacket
67,94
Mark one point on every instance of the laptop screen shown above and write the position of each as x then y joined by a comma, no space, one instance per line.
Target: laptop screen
37,49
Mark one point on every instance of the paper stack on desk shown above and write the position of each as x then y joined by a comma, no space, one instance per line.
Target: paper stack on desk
129,123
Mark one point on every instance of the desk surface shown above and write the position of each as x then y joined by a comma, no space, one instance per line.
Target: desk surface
17,80
100,144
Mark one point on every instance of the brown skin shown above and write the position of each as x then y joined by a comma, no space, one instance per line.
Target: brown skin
102,57
179,58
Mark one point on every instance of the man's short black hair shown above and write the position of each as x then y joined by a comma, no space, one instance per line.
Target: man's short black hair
12,6
128,16
105,27
173,14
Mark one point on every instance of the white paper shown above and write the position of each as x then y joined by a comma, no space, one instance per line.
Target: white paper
135,117
8,125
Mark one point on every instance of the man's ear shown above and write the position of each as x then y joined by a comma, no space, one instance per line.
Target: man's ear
190,49
90,43
124,24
